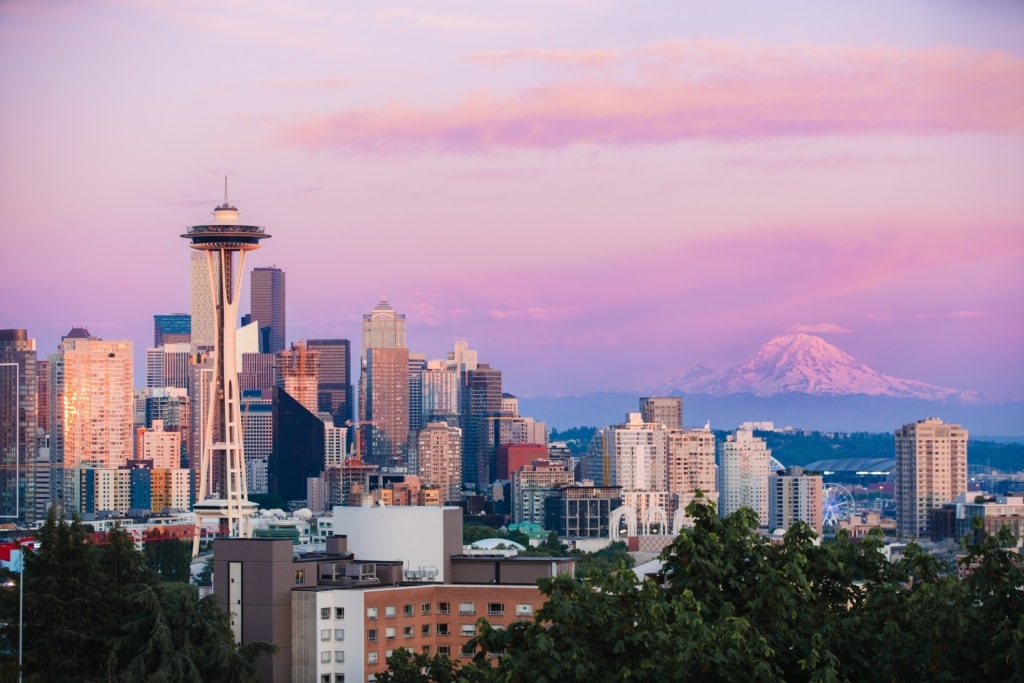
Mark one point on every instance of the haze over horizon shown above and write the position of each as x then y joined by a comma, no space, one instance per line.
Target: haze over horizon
596,196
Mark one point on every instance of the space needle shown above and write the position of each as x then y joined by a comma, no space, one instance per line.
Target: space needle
223,494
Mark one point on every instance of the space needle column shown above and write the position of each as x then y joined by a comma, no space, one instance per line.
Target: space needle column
223,493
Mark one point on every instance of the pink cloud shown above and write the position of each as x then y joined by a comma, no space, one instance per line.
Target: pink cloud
585,58
723,95
820,328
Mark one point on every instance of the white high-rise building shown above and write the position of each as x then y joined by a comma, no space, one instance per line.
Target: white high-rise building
744,463
439,463
931,469
203,316
794,495
691,468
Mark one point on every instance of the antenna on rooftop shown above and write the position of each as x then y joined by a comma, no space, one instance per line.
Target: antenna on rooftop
225,189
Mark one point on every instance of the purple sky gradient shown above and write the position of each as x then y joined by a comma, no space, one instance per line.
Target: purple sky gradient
595,195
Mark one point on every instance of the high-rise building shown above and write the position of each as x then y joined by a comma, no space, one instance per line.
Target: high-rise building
298,447
169,365
334,386
533,485
383,328
175,328
387,406
172,406
267,295
91,405
297,371
222,494
161,448
257,371
744,463
19,389
258,436
794,496
441,389
439,447
481,405
931,469
203,319
691,468
663,410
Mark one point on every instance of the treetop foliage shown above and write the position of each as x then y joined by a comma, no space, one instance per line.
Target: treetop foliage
99,612
730,605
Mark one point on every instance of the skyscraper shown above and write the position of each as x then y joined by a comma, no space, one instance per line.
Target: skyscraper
223,497
91,406
439,462
334,385
383,328
296,370
387,406
691,468
481,404
744,463
931,469
203,318
267,301
18,422
794,495
663,410
175,328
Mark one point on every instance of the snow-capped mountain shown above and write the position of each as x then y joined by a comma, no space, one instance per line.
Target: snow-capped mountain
806,364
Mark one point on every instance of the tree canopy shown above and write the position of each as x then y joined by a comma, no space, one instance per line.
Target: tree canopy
99,612
731,605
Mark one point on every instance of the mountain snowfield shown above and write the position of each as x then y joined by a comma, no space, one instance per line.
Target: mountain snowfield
806,364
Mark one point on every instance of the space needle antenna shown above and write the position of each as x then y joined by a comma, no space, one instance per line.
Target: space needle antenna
225,189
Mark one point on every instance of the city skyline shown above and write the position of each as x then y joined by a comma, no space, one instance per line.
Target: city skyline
594,196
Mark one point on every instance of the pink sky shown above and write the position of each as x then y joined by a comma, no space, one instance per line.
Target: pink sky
595,195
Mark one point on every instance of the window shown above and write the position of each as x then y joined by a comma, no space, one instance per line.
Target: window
467,608
407,632
524,610
426,649
445,650
442,629
325,634
444,608
371,635
466,651
407,610
371,657
496,608
339,678
339,612
425,608
325,678
371,612
468,630
325,656
325,612
387,653
339,656
300,577
425,630
339,634
389,633
390,612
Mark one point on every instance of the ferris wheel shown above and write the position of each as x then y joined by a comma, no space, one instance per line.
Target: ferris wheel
836,504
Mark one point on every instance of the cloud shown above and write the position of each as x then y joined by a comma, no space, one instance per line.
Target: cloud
725,93
820,328
534,313
584,58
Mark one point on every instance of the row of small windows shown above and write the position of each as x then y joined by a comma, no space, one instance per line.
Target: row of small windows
493,608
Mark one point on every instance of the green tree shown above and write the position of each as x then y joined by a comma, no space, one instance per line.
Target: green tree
97,612
169,557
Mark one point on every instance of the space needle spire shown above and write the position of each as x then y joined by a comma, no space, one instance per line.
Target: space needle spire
223,493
